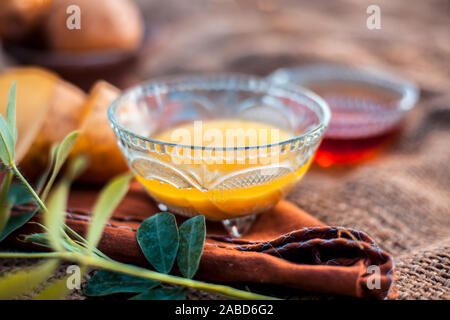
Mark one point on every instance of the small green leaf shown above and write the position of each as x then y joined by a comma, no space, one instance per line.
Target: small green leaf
76,167
45,175
41,239
175,293
6,143
58,289
158,238
5,204
192,238
108,200
24,281
19,194
107,282
36,238
6,184
54,218
64,149
5,210
15,222
61,153
11,112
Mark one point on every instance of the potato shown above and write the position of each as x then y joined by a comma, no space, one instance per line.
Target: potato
20,17
64,116
49,108
35,90
105,25
96,139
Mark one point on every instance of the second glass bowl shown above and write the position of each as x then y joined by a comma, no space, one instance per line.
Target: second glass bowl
230,182
367,107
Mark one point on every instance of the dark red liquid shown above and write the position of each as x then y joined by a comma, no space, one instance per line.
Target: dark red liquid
350,151
362,122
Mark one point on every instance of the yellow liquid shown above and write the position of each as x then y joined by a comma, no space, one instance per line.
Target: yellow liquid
219,202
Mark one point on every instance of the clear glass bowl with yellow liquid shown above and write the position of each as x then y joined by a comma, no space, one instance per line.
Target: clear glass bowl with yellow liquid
225,146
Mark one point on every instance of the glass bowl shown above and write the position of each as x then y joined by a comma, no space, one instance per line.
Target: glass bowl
229,182
367,107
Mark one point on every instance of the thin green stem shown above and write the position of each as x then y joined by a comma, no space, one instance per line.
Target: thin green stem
142,273
30,255
148,274
30,188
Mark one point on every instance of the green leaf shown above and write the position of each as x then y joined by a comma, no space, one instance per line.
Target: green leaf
54,218
175,293
6,143
8,129
192,237
76,167
50,164
5,205
108,200
158,238
15,222
41,239
19,194
6,184
36,238
107,282
58,289
5,210
24,281
11,113
61,153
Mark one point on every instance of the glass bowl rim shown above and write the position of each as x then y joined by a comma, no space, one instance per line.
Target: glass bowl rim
369,75
324,119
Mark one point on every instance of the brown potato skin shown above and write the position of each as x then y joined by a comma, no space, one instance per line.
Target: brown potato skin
18,18
97,140
105,25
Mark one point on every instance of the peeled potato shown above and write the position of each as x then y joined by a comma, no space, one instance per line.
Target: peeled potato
105,24
35,91
19,17
64,116
48,108
96,139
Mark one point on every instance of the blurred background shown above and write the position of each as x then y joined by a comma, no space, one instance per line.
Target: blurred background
258,36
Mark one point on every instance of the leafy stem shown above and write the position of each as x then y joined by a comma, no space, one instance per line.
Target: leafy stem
142,273
30,188
5,186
